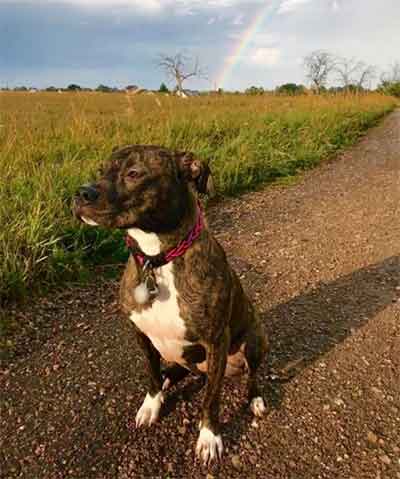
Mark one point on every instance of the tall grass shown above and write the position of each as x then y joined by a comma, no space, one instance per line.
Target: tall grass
51,143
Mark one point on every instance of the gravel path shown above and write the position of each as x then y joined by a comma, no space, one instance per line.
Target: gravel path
321,260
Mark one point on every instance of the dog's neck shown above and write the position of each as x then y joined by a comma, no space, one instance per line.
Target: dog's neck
149,243
152,243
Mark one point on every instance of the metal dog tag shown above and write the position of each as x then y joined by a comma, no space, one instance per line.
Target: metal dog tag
147,290
151,285
149,280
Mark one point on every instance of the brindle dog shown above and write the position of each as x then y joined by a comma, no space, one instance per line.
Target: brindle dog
200,320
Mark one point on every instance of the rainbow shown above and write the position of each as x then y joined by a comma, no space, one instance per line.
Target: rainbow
245,39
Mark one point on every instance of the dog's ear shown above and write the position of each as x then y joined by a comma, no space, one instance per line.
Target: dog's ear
195,170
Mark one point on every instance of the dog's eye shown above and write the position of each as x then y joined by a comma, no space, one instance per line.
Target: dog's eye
132,174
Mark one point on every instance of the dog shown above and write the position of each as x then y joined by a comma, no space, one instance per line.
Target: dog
186,304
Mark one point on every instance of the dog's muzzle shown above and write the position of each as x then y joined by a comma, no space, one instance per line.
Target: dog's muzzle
87,194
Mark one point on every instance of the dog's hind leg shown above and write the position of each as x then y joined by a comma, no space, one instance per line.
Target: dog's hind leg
173,375
150,409
255,350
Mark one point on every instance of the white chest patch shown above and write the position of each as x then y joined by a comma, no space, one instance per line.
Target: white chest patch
162,322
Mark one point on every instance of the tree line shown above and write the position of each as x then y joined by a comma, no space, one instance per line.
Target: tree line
73,87
321,69
349,74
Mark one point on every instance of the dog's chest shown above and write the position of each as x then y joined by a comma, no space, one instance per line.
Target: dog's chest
162,322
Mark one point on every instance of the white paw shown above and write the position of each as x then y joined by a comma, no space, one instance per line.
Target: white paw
149,410
209,446
257,406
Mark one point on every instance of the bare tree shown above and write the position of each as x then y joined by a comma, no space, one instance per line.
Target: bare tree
319,64
347,68
367,74
180,68
354,72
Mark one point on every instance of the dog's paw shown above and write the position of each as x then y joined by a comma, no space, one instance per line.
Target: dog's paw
257,406
209,446
149,410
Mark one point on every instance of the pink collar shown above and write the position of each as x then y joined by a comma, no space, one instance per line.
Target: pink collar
164,258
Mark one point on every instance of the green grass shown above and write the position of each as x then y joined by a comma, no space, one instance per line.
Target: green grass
51,143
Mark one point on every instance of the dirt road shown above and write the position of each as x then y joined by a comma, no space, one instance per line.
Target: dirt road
321,260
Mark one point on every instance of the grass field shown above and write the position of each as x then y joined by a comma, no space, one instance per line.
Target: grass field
51,143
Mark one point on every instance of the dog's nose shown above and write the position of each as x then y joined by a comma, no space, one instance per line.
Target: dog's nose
88,193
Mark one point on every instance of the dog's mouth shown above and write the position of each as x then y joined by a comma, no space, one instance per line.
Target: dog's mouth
92,216
84,213
88,221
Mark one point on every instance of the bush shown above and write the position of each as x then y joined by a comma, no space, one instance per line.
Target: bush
291,89
254,90
163,88
390,88
104,89
73,87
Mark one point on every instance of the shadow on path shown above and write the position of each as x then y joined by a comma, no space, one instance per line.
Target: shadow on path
308,326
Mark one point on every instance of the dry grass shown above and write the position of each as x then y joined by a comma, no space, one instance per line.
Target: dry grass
51,143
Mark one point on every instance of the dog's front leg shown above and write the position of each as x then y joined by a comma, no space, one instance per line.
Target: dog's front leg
150,409
209,444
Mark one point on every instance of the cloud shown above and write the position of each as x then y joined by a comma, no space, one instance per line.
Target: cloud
232,8
264,39
265,56
117,41
288,6
238,20
138,4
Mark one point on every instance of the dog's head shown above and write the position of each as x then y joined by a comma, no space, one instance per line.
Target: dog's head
143,186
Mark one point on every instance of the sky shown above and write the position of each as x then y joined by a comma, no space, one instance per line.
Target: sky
239,43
